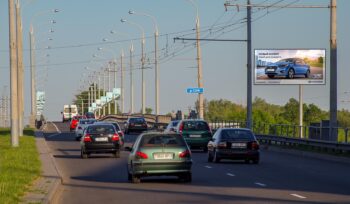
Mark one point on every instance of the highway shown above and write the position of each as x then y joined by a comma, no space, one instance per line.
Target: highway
279,178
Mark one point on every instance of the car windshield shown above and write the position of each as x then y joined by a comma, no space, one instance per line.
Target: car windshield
196,125
87,121
287,60
101,129
162,140
137,120
237,135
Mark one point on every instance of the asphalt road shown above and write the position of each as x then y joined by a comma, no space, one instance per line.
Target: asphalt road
279,178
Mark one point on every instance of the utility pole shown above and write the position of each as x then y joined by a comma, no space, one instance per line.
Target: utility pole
13,75
199,62
156,69
32,77
143,111
333,74
131,81
20,69
115,86
249,65
122,82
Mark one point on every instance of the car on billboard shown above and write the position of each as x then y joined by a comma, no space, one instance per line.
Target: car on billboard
289,68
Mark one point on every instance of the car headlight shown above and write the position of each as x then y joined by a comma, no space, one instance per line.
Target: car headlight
283,66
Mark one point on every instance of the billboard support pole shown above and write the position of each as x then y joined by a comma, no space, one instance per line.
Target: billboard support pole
301,111
333,73
249,66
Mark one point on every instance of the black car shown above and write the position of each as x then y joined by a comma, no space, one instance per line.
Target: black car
117,128
135,124
233,144
100,138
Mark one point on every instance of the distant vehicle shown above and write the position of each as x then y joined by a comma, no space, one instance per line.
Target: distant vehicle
82,124
69,111
74,122
288,68
90,115
100,138
196,132
171,126
117,127
135,124
234,144
158,154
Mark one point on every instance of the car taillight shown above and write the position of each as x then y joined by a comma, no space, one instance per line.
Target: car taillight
132,124
184,154
181,127
121,133
141,155
115,137
222,145
255,146
87,138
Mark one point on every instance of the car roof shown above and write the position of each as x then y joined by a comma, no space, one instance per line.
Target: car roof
246,129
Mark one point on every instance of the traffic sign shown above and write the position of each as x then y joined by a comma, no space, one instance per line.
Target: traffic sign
195,90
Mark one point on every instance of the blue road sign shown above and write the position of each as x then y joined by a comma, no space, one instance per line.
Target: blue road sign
195,90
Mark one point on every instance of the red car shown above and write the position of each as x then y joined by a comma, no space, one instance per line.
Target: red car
74,122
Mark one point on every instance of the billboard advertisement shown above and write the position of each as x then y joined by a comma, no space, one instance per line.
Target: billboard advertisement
40,102
290,66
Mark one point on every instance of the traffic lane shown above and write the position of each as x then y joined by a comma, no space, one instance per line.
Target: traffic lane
297,177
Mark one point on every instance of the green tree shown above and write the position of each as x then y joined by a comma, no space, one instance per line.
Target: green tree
148,110
291,111
320,60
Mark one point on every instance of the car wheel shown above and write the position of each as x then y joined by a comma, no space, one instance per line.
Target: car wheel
188,177
271,76
205,149
129,177
307,75
83,154
216,159
290,74
116,154
247,161
210,157
135,179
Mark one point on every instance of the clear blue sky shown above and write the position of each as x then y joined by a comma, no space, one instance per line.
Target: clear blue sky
87,22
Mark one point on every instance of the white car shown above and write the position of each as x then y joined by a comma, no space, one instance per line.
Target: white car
83,123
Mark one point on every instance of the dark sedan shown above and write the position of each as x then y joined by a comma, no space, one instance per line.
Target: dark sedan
234,144
100,138
135,124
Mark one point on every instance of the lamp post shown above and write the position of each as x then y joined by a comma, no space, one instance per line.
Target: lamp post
199,62
143,110
156,74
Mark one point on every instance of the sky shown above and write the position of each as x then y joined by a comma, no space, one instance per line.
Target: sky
81,26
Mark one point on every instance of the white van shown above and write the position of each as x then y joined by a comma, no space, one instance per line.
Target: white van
69,111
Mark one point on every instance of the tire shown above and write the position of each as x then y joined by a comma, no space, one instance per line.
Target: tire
216,159
271,76
188,177
307,75
210,158
290,74
116,154
205,149
135,179
83,154
129,177
247,161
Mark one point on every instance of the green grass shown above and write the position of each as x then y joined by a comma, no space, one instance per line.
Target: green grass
18,166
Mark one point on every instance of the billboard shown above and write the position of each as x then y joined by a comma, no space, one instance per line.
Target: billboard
290,66
40,102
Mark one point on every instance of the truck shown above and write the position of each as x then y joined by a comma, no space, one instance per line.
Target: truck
69,111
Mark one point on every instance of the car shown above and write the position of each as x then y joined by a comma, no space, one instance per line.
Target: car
159,154
196,133
83,123
117,127
74,122
100,138
135,124
234,144
288,68
171,126
90,115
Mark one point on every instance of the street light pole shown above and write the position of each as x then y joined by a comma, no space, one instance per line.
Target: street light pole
20,68
122,82
32,76
131,80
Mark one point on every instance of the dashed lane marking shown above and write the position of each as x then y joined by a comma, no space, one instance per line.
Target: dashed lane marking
229,174
260,184
208,167
298,196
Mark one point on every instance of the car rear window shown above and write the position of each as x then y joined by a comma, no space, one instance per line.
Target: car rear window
116,126
196,125
162,140
137,120
237,135
87,121
101,129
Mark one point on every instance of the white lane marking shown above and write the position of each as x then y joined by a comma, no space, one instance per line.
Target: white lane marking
298,196
58,130
208,167
229,174
260,184
53,135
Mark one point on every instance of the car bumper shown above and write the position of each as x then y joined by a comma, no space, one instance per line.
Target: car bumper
197,142
161,168
101,147
238,155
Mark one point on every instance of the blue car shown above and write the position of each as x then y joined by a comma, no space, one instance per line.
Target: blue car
288,68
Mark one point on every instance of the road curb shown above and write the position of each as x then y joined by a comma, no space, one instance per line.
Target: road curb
46,188
313,155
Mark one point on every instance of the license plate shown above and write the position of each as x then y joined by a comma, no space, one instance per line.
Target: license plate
239,145
270,70
163,155
101,139
196,136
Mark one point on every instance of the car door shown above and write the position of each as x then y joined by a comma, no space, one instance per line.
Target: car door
212,143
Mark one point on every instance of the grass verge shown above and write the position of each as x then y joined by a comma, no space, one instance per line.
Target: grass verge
18,166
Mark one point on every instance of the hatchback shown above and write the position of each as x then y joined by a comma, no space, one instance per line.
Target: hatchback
100,138
157,154
135,124
234,144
